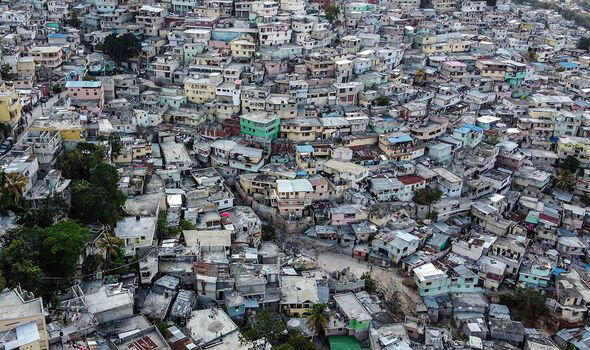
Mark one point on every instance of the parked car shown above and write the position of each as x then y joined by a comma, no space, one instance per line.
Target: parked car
6,146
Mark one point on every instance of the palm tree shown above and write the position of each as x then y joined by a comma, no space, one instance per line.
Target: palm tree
11,188
318,319
565,180
14,184
419,77
109,245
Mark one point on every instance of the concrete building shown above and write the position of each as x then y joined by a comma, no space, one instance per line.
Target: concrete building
22,321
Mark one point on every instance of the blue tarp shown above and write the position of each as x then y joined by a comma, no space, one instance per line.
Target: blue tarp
251,304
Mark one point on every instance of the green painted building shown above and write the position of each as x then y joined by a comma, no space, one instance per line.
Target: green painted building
343,342
260,125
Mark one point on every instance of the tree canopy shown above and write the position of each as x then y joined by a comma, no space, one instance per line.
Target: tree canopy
30,254
371,286
11,188
571,163
332,13
427,196
382,101
267,326
96,196
565,180
318,319
527,303
73,20
55,207
121,48
584,43
581,19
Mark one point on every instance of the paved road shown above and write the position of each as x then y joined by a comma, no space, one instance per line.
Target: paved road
35,114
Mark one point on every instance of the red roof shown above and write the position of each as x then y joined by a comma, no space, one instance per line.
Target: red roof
410,179
493,276
548,218
144,343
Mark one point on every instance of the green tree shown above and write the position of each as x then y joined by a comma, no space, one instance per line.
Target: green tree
527,303
89,78
565,180
585,199
267,326
371,286
96,196
382,101
571,163
584,43
54,208
268,233
425,4
121,48
110,245
163,328
186,225
283,347
62,245
17,266
57,88
162,229
6,72
79,163
116,146
420,76
73,20
118,264
532,56
5,131
31,253
92,203
11,188
332,12
91,264
299,342
2,281
318,319
433,216
28,275
427,196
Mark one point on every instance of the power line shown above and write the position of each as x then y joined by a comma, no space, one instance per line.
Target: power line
102,271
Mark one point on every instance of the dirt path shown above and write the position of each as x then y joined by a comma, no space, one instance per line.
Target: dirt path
394,285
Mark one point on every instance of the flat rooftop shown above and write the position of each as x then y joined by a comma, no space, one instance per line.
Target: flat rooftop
131,227
209,324
351,307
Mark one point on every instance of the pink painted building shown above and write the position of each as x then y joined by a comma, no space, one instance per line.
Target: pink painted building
86,94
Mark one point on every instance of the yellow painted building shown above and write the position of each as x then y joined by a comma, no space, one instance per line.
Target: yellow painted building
301,129
257,185
298,295
447,47
25,67
578,147
203,89
492,69
242,49
10,106
70,130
